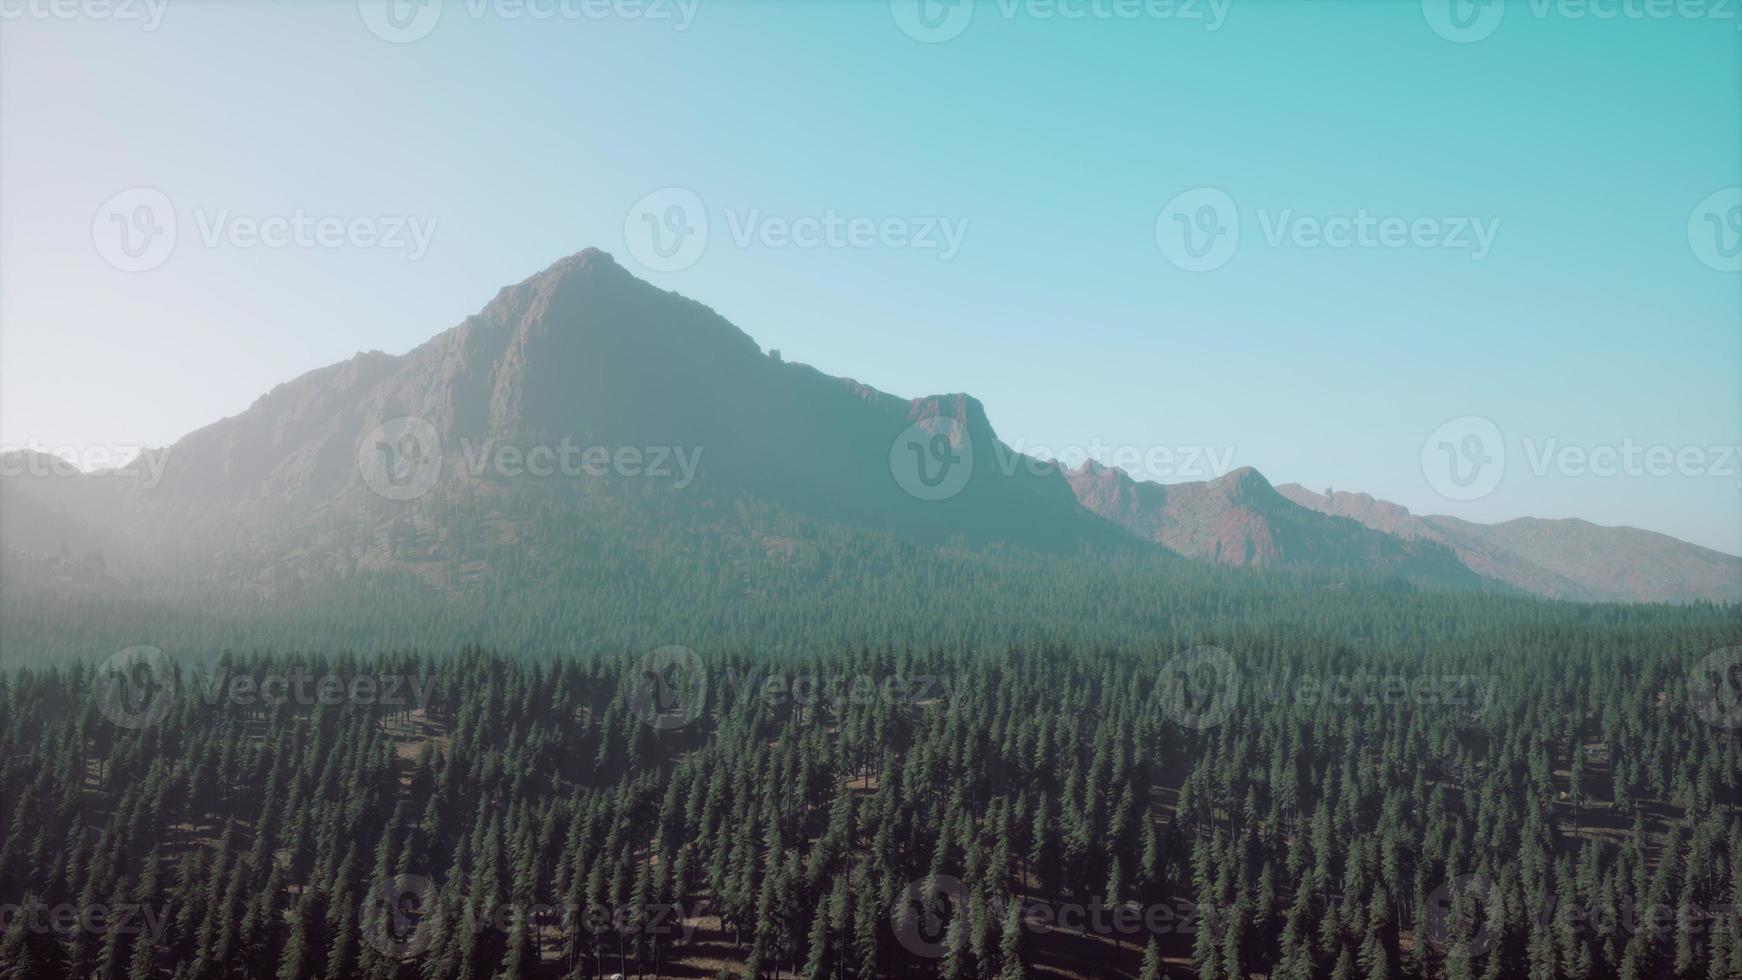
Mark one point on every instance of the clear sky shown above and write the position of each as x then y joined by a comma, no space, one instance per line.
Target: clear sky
1532,234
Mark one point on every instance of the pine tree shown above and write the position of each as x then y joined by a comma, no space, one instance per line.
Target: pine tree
817,960
1012,946
521,958
1151,963
293,961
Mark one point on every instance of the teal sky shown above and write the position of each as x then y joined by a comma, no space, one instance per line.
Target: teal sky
1587,145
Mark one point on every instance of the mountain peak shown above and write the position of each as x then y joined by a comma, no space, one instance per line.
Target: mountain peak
962,407
590,257
1243,483
588,262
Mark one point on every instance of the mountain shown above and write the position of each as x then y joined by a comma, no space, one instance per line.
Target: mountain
1562,559
586,429
568,369
587,353
1240,519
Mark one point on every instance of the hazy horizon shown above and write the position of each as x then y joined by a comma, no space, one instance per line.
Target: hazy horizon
1566,303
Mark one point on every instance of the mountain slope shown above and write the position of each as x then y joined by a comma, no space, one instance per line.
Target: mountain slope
423,467
581,357
1563,559
1240,519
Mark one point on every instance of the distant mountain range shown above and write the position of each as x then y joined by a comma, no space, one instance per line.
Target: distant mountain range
1561,559
585,381
1240,519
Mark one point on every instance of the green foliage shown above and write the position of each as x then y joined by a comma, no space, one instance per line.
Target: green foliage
1527,771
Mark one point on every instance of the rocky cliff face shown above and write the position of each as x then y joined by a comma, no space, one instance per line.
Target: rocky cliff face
1240,519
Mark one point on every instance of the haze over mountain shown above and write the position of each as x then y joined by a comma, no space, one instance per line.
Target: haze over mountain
583,363
1240,519
1562,559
